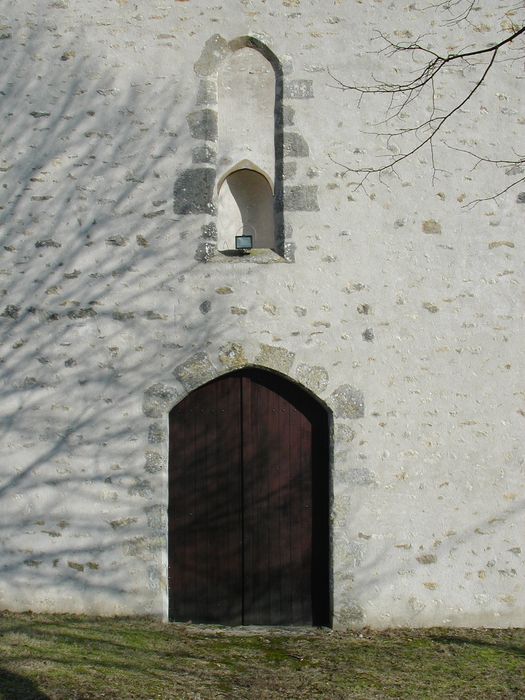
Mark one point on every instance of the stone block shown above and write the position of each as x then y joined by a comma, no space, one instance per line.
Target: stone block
232,356
274,357
313,377
158,400
301,198
193,192
203,153
348,402
203,124
195,371
294,145
298,89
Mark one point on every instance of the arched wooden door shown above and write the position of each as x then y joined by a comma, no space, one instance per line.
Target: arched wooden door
248,504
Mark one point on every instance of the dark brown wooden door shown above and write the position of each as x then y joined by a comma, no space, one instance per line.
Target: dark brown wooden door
248,503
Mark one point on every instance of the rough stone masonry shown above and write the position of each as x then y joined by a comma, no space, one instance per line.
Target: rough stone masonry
395,306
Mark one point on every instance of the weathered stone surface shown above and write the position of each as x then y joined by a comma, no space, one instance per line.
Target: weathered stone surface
193,192
156,516
203,124
275,357
288,115
289,170
117,240
152,315
215,50
88,312
313,377
140,487
203,153
122,522
350,615
354,554
295,146
209,231
205,251
429,306
270,309
122,315
48,243
154,461
33,383
431,226
207,92
301,198
156,433
427,558
141,547
232,356
195,371
298,89
348,402
343,433
360,476
289,251
158,400
11,311
75,565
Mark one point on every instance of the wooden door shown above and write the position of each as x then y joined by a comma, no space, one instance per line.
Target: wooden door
248,505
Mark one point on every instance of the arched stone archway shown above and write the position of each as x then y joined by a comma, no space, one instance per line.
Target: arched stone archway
248,503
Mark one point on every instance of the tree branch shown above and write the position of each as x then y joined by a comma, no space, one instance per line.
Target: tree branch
412,90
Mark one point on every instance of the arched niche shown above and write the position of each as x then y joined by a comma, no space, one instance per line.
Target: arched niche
246,207
246,162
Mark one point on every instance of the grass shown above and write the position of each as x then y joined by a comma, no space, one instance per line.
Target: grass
61,657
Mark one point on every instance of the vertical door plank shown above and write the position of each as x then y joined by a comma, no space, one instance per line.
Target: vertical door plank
205,501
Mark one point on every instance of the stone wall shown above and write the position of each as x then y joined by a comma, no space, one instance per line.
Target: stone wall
394,305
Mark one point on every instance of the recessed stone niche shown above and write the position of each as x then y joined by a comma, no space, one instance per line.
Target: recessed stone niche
246,207
246,150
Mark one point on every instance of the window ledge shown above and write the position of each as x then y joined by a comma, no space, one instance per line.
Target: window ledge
261,256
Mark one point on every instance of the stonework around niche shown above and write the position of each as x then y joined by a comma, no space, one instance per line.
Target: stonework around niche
224,137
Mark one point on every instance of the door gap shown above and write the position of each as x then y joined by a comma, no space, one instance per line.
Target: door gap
241,398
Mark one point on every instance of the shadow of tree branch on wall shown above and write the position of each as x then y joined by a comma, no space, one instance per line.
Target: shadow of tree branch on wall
405,579
92,264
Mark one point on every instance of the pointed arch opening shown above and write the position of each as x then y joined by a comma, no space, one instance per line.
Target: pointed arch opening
246,208
249,503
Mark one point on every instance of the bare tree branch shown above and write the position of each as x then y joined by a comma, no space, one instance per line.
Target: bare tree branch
421,86
516,165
